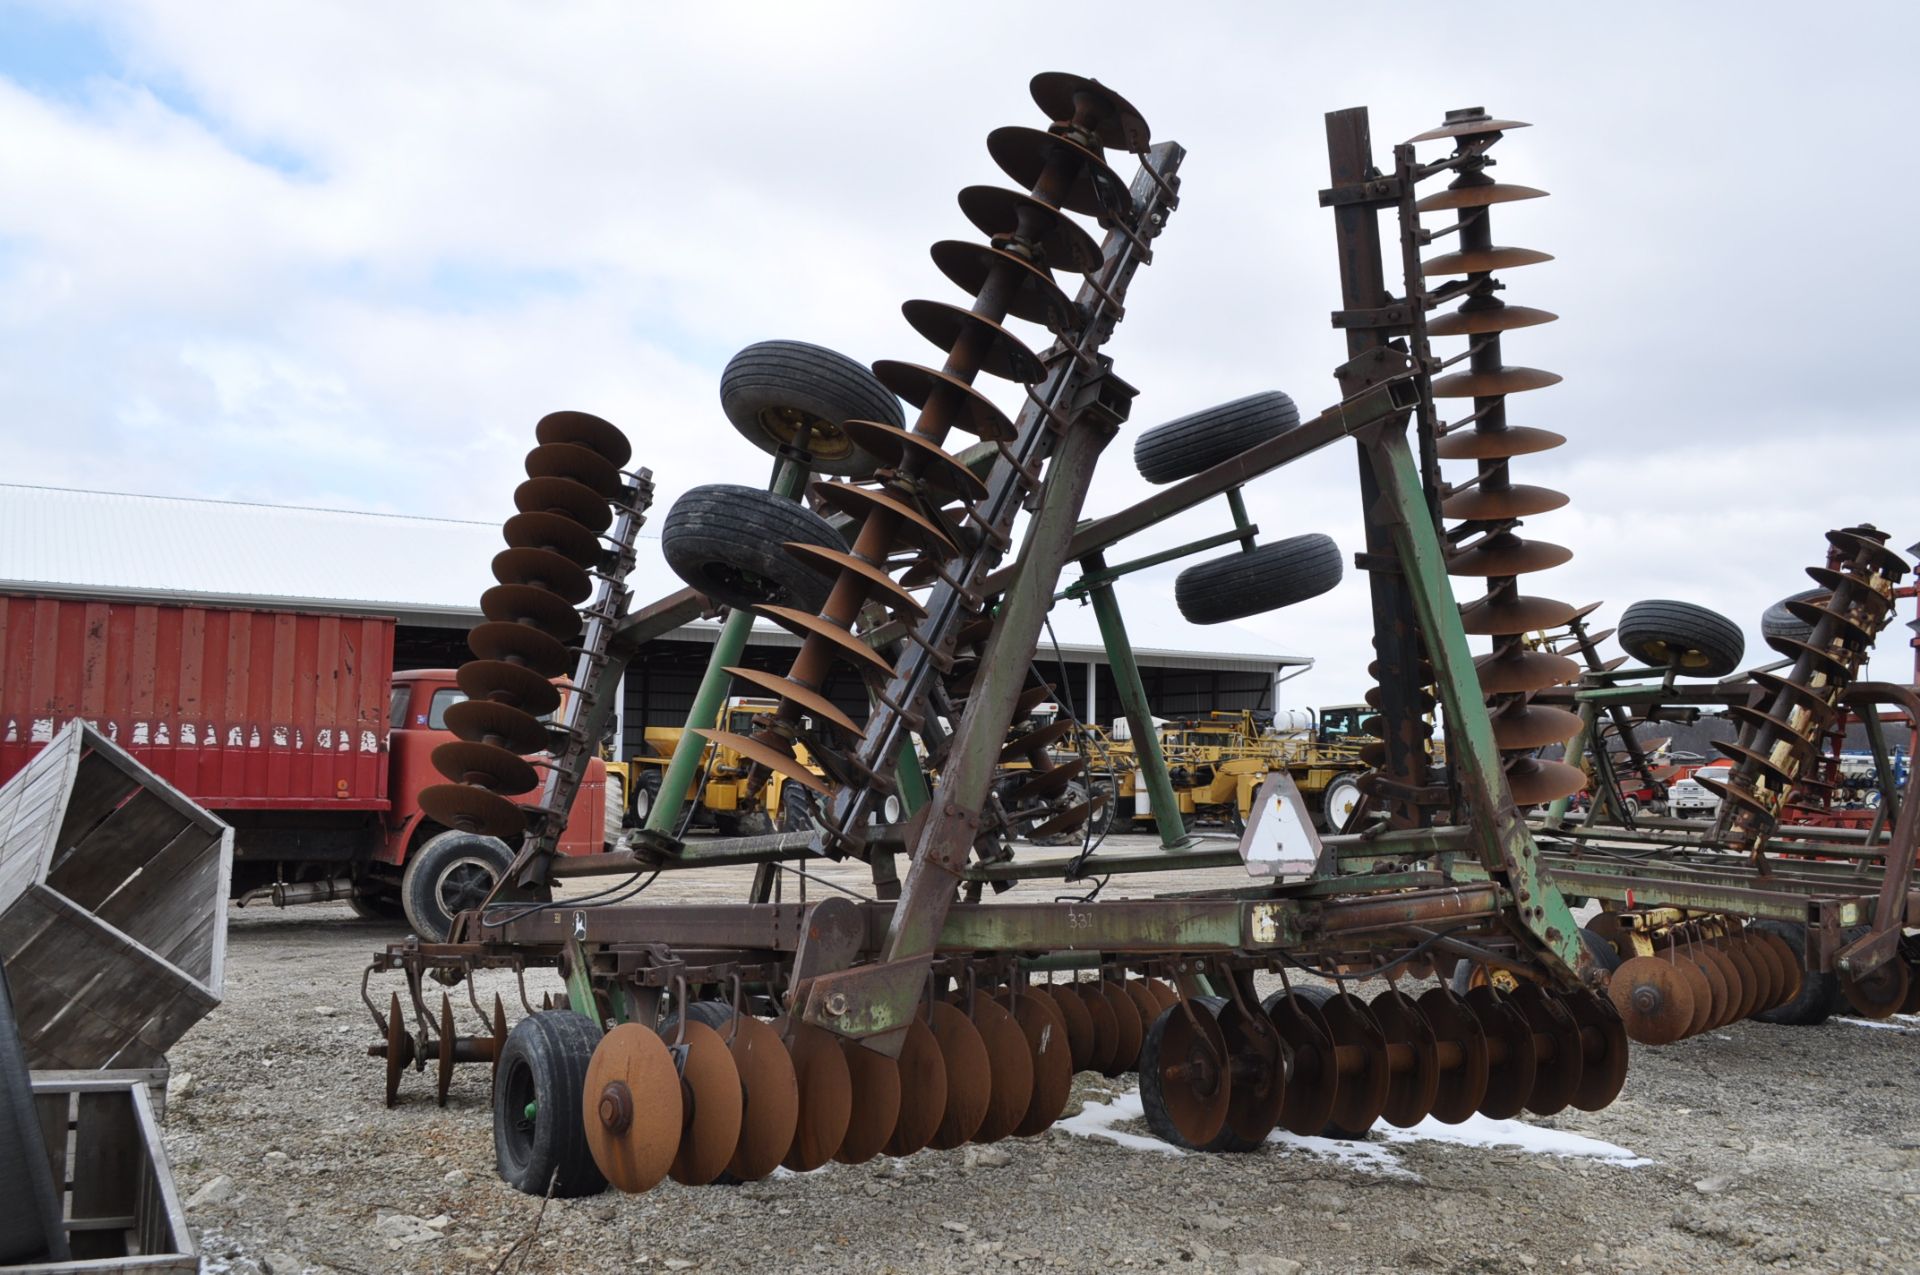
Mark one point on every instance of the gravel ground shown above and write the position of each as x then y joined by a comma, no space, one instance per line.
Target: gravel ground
1752,1147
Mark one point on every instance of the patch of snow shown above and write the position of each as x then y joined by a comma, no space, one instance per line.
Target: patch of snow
1908,1023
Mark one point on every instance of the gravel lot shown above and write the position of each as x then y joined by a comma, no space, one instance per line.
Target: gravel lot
1754,1147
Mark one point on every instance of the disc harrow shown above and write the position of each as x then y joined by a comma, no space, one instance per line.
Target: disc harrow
1488,508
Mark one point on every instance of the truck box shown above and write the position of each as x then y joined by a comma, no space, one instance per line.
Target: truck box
238,709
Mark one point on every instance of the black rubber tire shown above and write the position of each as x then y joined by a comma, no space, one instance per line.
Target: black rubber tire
1708,643
1265,578
1192,444
771,378
725,540
372,903
31,1229
1776,622
1602,950
1820,993
796,808
447,874
545,1063
647,786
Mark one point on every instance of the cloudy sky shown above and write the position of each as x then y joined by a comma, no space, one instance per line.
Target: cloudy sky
346,254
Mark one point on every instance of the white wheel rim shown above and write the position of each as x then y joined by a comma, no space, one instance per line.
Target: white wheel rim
1341,802
642,803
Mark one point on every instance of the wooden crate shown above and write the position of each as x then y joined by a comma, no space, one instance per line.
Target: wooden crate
113,906
103,1142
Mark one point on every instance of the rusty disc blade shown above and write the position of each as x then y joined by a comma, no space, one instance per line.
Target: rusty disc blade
1869,551
770,1097
923,1090
811,700
1314,1086
881,585
1652,999
1129,1028
1603,1042
499,1034
711,1131
1721,977
1077,1020
1033,296
1009,1064
471,809
1499,504
1700,983
1530,726
1560,1066
554,533
1776,730
1045,1029
519,644
1517,671
1029,699
1506,615
554,573
565,498
1000,352
1025,154
1162,992
585,430
876,1103
959,404
1824,660
1506,554
1482,260
1535,782
514,685
1106,1031
1047,782
546,613
861,503
1846,628
1145,1003
1506,380
969,1077
1804,698
1461,1049
1513,1061
826,1096
1880,992
399,1049
482,721
1010,214
1750,984
939,469
1787,962
1185,1071
1835,581
581,464
1366,1076
1036,741
1091,106
804,624
1069,819
1258,1062
1783,981
1468,125
632,1108
485,766
1778,771
1761,957
1412,1091
1476,194
1477,320
1497,444
767,755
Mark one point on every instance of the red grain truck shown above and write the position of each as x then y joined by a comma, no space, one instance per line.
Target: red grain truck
291,726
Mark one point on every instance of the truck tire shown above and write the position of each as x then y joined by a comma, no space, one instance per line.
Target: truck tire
1776,622
771,387
30,1207
1262,579
1337,801
727,541
646,792
1195,443
614,809
448,874
1660,631
372,903
539,1122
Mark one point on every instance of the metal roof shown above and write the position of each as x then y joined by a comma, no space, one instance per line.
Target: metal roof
431,571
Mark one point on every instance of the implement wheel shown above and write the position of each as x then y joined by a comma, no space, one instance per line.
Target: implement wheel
1660,632
730,542
1185,1077
773,390
1249,582
539,1130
